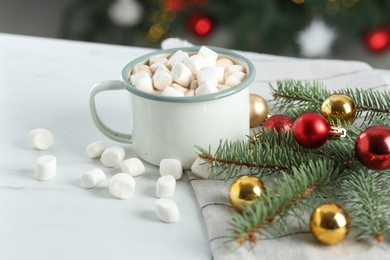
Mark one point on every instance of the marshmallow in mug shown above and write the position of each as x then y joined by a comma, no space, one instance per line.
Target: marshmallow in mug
181,74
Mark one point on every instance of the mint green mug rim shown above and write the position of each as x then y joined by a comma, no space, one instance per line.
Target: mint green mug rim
251,72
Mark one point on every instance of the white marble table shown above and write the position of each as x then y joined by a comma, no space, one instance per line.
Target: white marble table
45,83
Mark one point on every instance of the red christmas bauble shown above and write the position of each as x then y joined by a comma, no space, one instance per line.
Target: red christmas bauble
311,130
378,40
279,122
373,147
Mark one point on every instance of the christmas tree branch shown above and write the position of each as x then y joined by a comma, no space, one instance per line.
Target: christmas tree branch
298,178
298,92
369,100
268,154
297,97
273,209
367,198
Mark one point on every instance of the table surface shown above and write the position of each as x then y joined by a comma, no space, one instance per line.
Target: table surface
45,83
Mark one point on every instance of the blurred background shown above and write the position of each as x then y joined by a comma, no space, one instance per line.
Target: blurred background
334,29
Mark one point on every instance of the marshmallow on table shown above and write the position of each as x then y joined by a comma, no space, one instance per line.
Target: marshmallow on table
165,186
46,167
142,81
201,168
181,74
162,79
177,57
171,167
40,138
122,185
95,149
167,211
170,91
206,88
195,63
92,178
133,166
112,156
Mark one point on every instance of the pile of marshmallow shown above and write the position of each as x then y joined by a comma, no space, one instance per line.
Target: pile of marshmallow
122,185
182,74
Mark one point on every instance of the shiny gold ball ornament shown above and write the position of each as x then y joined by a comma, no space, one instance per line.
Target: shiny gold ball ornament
339,107
244,191
258,110
329,223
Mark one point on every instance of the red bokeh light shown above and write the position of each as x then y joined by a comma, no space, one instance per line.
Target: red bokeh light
203,26
178,5
200,24
378,40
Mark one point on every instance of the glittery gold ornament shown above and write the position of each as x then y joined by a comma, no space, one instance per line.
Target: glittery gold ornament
244,191
329,223
258,110
339,107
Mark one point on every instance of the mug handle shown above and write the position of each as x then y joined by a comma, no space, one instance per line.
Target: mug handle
107,131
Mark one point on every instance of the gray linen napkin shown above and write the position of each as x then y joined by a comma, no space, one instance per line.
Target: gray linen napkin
212,194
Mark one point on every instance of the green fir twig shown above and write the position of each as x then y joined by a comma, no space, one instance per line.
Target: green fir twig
273,209
367,199
301,177
295,97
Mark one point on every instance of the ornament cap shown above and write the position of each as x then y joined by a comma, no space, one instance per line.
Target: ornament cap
337,132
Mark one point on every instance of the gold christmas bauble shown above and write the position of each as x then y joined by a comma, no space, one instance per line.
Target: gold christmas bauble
329,223
258,110
244,191
339,107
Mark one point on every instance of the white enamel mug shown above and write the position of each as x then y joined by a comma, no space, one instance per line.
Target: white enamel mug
170,127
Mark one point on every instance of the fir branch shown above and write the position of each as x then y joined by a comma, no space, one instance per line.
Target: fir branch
274,207
295,93
301,177
232,157
296,97
367,199
371,102
268,154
